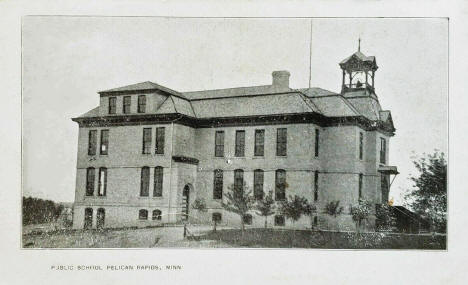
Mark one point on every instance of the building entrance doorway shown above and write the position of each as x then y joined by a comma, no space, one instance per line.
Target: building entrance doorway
185,202
100,217
88,218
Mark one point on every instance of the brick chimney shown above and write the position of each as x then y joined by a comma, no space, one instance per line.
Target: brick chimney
281,79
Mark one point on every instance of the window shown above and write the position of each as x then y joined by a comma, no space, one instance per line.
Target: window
156,215
144,186
280,185
88,218
361,145
315,221
100,218
316,186
90,181
92,141
216,217
141,104
279,220
281,141
360,186
104,142
259,149
158,181
238,181
218,184
102,185
317,140
143,214
384,188
127,101
383,150
112,105
258,184
240,143
219,143
247,219
160,133
146,141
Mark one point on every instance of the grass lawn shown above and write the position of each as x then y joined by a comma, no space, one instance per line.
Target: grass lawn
166,237
273,238
204,237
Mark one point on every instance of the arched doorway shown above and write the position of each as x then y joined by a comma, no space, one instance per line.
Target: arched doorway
100,217
185,202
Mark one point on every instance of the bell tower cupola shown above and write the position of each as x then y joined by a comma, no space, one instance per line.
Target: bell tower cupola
358,72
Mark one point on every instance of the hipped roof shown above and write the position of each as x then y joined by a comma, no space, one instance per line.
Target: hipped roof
254,101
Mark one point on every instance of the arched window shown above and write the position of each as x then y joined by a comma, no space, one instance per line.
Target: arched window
90,181
145,175
247,219
279,220
216,217
102,188
258,184
100,218
280,184
238,181
156,215
88,218
158,181
218,184
143,214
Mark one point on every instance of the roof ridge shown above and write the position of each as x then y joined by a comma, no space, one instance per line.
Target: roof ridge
350,105
230,88
309,101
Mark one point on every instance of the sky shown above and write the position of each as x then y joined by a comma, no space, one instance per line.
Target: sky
66,60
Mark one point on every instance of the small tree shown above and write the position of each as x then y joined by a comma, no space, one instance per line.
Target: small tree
428,197
309,210
199,204
294,207
240,201
333,208
360,212
266,206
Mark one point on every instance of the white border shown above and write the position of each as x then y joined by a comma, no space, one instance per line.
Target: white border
219,266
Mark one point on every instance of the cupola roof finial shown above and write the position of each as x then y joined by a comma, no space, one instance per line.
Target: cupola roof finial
359,44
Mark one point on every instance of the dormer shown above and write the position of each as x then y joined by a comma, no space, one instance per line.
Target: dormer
142,98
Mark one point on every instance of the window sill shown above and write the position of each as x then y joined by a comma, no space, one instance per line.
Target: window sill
281,156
